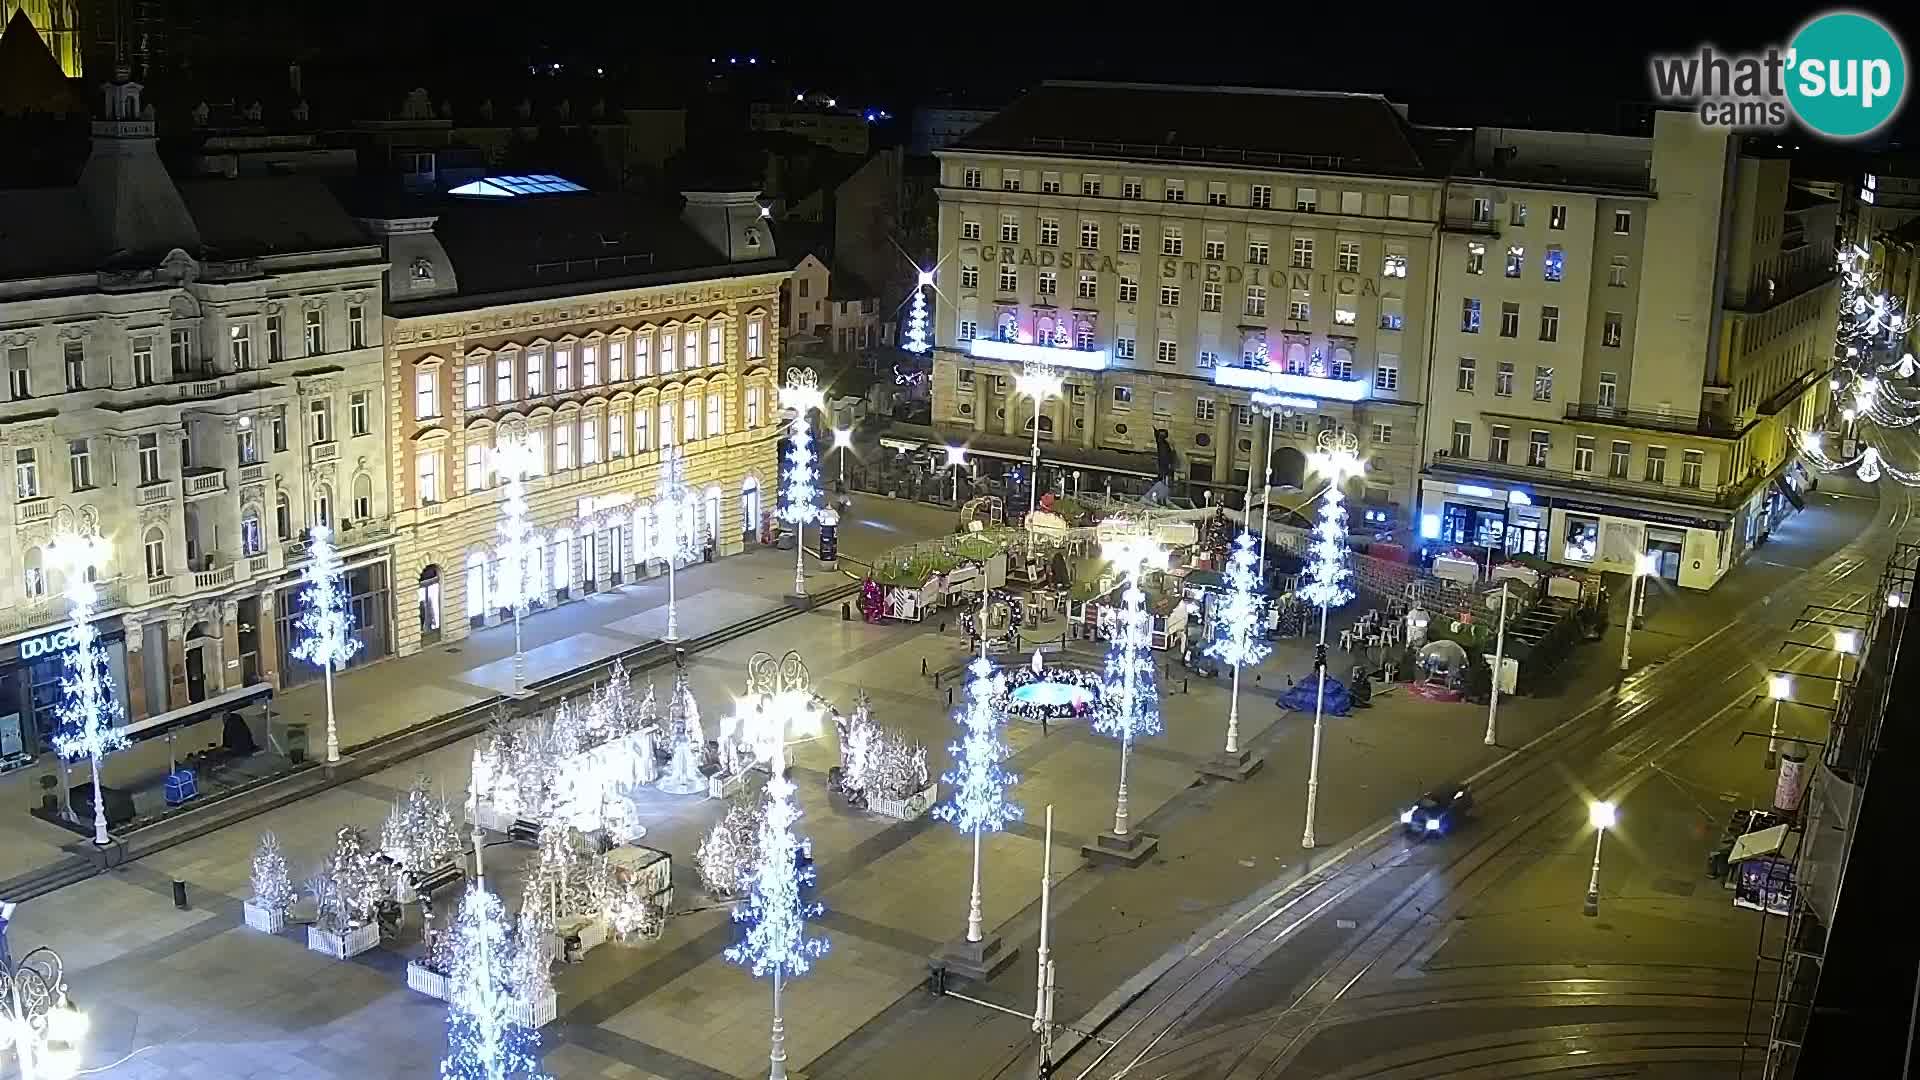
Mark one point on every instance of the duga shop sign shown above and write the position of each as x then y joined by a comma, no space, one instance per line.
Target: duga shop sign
47,644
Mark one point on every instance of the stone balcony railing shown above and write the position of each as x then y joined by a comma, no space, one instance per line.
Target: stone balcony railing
321,453
203,482
157,492
253,474
213,579
33,511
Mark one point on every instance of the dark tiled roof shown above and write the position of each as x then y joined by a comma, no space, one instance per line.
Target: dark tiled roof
268,215
1359,133
47,231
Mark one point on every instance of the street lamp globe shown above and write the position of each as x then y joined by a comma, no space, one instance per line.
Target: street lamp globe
956,456
842,438
1645,563
926,277
1846,642
1779,687
1602,815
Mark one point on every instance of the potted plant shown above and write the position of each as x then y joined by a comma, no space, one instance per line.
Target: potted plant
266,909
345,894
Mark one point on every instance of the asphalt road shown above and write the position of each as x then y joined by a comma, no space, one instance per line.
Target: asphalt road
1381,967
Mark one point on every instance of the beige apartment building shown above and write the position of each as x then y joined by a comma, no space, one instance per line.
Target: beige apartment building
1625,330
193,374
654,329
1186,255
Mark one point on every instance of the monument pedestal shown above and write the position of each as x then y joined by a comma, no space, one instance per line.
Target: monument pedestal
1236,766
1129,850
976,961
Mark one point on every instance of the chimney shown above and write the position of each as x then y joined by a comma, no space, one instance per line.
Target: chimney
293,78
733,223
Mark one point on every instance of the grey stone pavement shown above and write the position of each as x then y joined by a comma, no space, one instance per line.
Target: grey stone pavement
194,994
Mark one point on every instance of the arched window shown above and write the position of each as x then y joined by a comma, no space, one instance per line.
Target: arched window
362,497
642,533
713,516
36,573
477,570
1296,359
750,509
253,539
282,516
155,546
323,505
1009,326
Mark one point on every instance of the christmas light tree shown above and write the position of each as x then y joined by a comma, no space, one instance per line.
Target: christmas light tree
90,718
1129,708
686,742
1337,461
801,395
518,565
326,626
917,342
977,783
676,526
775,911
1237,620
484,1039
272,885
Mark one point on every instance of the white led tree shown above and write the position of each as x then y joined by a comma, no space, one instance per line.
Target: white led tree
776,909
801,395
1129,707
326,626
484,1040
1236,621
917,341
676,526
1337,461
517,569
89,716
977,784
686,742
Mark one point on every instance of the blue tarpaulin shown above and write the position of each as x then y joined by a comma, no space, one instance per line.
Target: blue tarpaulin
1299,696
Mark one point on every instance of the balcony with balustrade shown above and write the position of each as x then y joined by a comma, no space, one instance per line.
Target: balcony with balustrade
199,482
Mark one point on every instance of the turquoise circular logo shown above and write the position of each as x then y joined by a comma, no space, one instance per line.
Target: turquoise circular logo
1847,75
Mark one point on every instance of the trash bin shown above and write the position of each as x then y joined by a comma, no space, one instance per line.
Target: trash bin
296,743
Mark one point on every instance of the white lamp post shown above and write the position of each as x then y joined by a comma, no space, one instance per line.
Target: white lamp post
1603,816
1644,565
513,459
1499,668
676,531
1039,382
1134,713
90,717
1845,643
801,394
1338,460
956,457
843,442
1779,688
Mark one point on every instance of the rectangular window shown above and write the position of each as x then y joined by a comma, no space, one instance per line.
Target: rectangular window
641,415
1305,199
1083,338
1009,229
1691,462
969,329
1465,375
1500,436
280,429
1256,300
1476,258
1298,309
1169,296
1129,290
642,355
1503,379
1171,242
357,326
1129,238
1216,193
1049,232
1557,216
1608,388
1352,202
1009,279
476,466
617,358
1462,439
1303,253
1482,210
1519,213
360,412
1656,464
756,338
320,420
502,379
26,475
1393,314
155,550
316,332
1509,320
1617,272
1169,353
276,338
1009,180
616,435
590,364
1549,323
690,418
1210,294
1469,316
1619,459
969,230
1132,188
1090,186
589,440
475,378
427,475
426,394
1203,410
1123,397
1259,253
1516,260
1176,190
247,446
536,372
1583,453
239,347
562,445
1243,415
147,449
1089,287
1123,348
1610,330
1543,384
1215,251
1386,373
1260,196
1162,404
1554,266
143,371
1049,283
180,350
1383,433
1622,222
1090,235
970,178
1050,183
1348,259
1539,445
691,344
80,464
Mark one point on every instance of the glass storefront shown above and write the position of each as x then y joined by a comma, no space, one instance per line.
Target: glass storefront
1478,526
371,605
30,673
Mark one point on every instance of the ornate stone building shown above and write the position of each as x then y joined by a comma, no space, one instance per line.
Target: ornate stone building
193,371
603,328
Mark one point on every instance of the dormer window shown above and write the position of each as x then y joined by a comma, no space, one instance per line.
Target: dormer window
753,237
422,271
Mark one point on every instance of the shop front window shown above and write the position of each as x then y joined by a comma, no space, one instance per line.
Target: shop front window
1582,540
1474,525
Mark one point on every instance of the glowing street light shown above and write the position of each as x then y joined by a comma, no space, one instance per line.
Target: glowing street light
1779,688
1644,564
843,442
1845,643
1039,382
1602,816
1338,460
956,457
